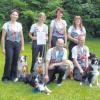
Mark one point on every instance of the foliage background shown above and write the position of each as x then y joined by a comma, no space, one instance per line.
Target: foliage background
29,9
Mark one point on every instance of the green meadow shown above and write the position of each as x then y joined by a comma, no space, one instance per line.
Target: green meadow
70,89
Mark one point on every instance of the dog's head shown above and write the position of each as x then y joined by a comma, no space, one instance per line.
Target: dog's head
92,55
39,70
39,60
22,59
95,64
94,61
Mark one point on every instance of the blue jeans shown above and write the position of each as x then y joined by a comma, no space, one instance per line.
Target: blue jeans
11,58
60,70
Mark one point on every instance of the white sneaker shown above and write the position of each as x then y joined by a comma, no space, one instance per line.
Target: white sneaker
16,79
80,83
90,85
59,84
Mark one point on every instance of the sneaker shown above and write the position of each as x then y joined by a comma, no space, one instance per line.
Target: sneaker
80,83
59,84
15,80
90,85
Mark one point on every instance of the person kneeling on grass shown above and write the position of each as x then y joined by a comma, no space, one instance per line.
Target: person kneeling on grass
80,54
55,62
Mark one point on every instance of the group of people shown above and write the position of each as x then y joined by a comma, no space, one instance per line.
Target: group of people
56,57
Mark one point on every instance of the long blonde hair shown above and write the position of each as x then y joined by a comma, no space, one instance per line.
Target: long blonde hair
81,24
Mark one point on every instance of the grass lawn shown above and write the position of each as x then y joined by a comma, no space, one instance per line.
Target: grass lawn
70,90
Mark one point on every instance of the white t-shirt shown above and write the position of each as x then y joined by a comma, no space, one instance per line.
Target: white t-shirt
58,25
75,32
48,57
75,51
16,28
36,28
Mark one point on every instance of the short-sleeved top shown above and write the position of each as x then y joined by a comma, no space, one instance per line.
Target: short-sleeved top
13,34
43,31
75,32
81,54
58,28
36,28
54,55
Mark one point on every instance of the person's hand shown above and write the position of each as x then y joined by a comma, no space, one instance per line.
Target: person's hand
76,41
22,49
81,71
3,51
46,78
49,45
34,38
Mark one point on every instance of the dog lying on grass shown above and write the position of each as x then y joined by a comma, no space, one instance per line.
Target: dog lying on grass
39,80
36,79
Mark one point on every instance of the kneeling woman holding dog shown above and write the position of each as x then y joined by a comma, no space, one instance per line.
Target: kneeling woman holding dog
12,42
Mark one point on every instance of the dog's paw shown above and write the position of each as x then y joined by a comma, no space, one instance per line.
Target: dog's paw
90,85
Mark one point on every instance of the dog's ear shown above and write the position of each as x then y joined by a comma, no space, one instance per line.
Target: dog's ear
25,57
93,55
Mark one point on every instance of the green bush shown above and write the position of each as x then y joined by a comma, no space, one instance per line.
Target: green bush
92,26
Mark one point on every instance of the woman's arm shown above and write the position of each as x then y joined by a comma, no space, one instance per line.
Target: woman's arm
65,36
22,41
77,65
3,40
32,37
50,36
71,38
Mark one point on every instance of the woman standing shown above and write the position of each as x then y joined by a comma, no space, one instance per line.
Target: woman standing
73,32
39,34
57,28
12,42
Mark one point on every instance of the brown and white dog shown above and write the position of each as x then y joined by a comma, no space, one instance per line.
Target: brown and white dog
69,69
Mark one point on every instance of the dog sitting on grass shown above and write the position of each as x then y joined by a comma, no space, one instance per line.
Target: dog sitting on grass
91,73
22,71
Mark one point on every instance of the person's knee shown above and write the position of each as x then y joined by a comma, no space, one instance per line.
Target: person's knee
62,69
